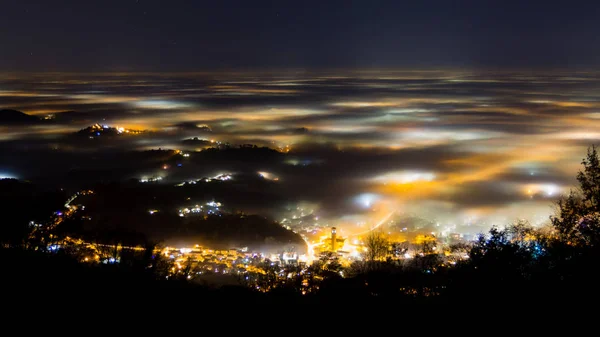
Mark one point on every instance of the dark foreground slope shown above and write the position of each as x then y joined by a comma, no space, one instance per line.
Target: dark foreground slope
59,282
49,292
13,117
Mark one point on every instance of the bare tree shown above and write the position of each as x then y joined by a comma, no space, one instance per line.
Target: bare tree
377,246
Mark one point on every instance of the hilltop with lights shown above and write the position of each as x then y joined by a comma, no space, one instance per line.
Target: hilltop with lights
98,131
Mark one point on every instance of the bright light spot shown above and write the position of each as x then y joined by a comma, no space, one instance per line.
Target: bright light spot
213,204
366,199
549,190
146,180
405,177
4,175
267,175
223,177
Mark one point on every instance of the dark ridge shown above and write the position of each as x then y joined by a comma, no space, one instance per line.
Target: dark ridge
198,142
14,117
72,117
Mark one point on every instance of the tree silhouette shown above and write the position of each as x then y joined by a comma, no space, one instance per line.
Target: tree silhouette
377,246
577,220
589,180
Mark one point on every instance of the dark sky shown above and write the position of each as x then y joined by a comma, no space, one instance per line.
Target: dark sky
198,35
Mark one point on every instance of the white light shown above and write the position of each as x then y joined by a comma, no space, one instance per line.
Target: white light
548,189
4,175
551,189
366,199
405,177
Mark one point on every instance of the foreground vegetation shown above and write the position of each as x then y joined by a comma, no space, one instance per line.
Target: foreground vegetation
517,265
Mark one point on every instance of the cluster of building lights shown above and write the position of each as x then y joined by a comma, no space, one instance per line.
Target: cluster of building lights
210,208
150,180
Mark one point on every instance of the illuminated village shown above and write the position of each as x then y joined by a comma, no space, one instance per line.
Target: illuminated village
325,247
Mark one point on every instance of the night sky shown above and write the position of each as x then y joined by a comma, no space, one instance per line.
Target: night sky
198,35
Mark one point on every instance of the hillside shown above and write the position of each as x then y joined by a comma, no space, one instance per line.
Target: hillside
14,117
124,211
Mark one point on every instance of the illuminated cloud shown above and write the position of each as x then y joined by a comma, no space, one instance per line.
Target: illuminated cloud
404,177
460,144
159,104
